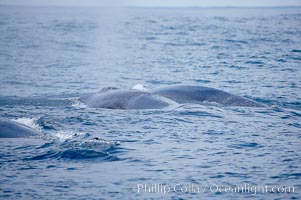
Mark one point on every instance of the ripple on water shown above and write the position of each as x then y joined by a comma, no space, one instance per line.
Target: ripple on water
247,145
75,154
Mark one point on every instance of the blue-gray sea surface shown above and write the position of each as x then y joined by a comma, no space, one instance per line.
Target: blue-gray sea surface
50,56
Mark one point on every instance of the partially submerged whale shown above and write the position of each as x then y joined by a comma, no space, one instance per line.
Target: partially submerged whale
12,129
199,94
114,98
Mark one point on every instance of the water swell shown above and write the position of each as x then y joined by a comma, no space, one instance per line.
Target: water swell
75,154
78,150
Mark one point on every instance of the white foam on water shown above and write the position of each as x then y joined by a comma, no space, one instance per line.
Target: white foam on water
30,122
139,87
78,104
63,135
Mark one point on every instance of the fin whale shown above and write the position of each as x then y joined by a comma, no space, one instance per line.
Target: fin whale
12,129
114,98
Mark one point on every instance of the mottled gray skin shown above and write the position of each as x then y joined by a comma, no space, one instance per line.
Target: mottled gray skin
11,129
198,94
125,99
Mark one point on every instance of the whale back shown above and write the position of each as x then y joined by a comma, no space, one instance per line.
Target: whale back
200,94
114,98
125,99
11,129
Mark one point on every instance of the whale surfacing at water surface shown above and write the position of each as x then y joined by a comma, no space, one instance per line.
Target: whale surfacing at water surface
199,94
126,99
12,129
113,98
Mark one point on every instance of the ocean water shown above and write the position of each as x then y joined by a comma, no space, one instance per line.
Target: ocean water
50,56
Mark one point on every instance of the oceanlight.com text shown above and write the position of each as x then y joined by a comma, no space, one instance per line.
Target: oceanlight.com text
246,188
